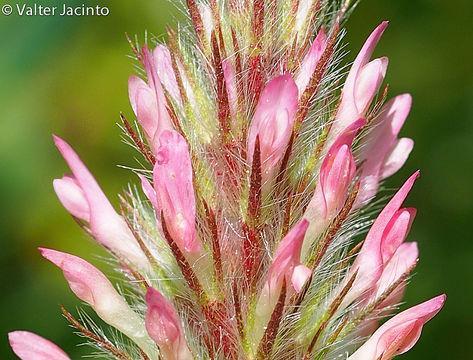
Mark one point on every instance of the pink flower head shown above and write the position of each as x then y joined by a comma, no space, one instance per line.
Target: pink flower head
163,61
384,153
148,101
287,261
175,191
29,346
273,122
91,286
362,83
82,197
310,61
164,327
400,333
385,236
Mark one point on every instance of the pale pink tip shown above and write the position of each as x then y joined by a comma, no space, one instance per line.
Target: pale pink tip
166,73
310,61
362,83
83,278
29,346
72,197
400,333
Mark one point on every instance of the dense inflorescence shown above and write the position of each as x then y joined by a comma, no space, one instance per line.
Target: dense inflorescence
252,234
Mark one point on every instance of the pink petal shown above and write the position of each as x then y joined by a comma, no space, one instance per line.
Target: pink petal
368,83
166,73
149,192
164,120
162,321
164,327
175,191
404,258
287,256
85,281
336,175
396,232
144,104
72,197
300,276
29,346
310,61
273,122
399,334
397,157
286,266
107,227
380,142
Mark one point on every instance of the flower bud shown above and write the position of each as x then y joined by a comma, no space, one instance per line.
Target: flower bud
386,234
400,333
82,197
29,346
174,189
336,175
273,123
92,287
148,101
362,84
286,267
164,327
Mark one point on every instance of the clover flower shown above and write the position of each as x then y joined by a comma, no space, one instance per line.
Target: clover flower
251,232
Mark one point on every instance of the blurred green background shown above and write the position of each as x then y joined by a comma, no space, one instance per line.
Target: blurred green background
69,76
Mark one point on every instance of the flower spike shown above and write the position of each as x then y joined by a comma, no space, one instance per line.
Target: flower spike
261,170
